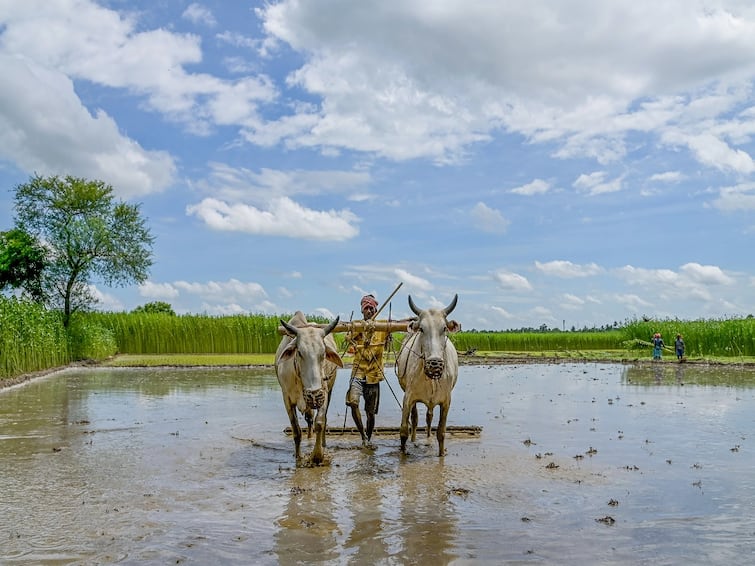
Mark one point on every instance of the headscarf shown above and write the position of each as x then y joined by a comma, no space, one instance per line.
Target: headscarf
369,300
657,335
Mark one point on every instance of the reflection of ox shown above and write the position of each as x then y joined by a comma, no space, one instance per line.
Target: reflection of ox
427,367
305,364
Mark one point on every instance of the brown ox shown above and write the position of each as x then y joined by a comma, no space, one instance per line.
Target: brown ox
306,363
427,367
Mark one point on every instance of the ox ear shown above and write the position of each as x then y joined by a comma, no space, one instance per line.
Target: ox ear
289,350
332,356
453,326
412,326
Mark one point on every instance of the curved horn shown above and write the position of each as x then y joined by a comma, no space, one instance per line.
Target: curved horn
290,329
452,306
414,308
328,329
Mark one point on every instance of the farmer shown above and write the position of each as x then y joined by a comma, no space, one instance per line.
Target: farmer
679,345
366,369
657,346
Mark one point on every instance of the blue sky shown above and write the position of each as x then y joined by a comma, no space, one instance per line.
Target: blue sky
561,163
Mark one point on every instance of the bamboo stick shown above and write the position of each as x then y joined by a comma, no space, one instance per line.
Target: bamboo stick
361,325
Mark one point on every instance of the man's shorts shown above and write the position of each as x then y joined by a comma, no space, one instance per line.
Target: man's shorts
370,392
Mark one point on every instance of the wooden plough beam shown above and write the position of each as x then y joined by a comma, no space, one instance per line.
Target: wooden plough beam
457,431
361,325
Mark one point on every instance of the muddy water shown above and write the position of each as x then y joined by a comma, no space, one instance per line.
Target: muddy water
576,464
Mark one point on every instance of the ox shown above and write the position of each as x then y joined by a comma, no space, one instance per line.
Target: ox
427,367
306,363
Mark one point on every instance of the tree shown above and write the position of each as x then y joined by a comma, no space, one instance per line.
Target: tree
156,307
22,263
87,233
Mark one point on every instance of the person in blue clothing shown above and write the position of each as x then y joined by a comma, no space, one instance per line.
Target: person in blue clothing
679,346
657,346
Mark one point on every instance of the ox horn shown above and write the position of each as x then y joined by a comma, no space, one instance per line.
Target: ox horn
452,306
328,329
290,329
414,308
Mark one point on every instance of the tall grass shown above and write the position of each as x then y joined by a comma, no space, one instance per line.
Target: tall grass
702,338
31,338
537,341
158,333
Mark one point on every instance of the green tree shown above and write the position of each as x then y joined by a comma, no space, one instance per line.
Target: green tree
22,263
88,235
156,307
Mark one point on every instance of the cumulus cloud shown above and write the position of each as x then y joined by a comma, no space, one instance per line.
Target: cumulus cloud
738,197
567,269
536,187
595,183
488,219
503,312
198,14
413,281
511,281
283,217
152,290
76,142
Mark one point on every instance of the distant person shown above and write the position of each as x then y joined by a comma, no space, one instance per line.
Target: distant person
657,346
679,345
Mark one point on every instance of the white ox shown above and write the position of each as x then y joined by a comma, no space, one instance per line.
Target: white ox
427,368
306,363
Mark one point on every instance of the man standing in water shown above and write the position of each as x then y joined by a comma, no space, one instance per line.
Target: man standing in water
366,369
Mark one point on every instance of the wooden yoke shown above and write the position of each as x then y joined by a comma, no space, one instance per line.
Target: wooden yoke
379,325
360,325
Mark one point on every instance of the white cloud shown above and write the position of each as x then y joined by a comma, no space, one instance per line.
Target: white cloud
668,177
572,301
738,197
595,184
283,217
706,274
567,269
198,14
152,290
488,219
413,281
536,187
75,142
503,312
232,290
512,281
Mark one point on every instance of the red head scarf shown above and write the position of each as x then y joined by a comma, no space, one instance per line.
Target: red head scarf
369,300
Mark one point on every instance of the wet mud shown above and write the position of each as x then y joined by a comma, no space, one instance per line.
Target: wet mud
575,464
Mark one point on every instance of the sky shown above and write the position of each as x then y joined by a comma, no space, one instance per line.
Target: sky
561,163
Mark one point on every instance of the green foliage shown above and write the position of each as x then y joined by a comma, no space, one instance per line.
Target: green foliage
536,341
160,333
89,235
22,263
155,307
31,338
88,340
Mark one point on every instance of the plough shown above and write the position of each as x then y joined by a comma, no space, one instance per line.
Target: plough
458,431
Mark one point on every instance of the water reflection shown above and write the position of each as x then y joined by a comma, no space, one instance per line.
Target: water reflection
691,374
309,527
109,466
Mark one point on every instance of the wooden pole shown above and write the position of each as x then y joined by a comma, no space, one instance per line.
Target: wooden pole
360,325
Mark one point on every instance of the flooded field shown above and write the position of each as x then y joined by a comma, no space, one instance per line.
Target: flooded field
576,464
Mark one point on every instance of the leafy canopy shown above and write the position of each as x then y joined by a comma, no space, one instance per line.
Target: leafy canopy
22,262
89,235
155,307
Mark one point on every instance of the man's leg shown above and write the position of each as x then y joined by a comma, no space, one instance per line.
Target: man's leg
352,401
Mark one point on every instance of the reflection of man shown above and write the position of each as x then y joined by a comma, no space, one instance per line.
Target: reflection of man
367,369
